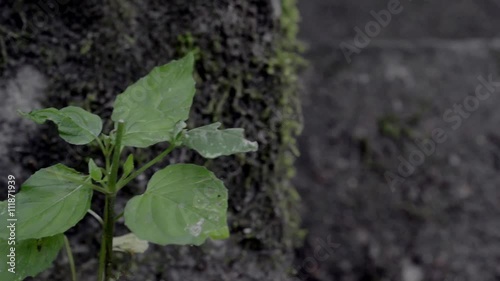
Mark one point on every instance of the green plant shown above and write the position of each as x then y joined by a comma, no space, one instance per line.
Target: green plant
184,204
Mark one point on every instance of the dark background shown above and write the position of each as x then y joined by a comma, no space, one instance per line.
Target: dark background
361,119
442,223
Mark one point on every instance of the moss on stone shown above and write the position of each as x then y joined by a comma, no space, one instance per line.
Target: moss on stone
246,73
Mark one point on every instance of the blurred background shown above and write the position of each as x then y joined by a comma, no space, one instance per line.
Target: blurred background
376,120
374,106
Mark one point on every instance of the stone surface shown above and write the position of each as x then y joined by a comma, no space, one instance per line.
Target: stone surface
23,91
90,51
327,20
363,117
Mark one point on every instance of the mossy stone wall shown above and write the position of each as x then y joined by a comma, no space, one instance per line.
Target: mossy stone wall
247,62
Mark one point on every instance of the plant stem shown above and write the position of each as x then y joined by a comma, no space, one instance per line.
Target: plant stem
96,216
109,228
101,145
97,188
102,262
70,258
125,181
115,165
105,152
106,253
117,217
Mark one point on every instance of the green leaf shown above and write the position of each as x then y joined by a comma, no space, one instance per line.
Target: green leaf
152,106
183,204
211,142
50,202
75,125
128,167
176,138
31,256
94,171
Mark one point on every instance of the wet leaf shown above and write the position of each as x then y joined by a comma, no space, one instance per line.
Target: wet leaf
50,202
153,106
94,171
128,167
75,125
31,257
211,142
183,204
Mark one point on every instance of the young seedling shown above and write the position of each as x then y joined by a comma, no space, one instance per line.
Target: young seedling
184,204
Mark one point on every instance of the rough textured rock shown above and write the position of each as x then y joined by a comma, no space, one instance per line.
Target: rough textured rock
89,51
327,21
433,216
441,223
23,91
